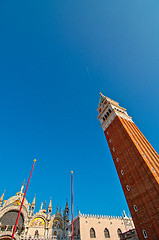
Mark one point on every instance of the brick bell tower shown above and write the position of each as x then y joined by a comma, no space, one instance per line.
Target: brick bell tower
137,165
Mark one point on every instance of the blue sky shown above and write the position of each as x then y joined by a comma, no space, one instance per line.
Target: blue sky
55,58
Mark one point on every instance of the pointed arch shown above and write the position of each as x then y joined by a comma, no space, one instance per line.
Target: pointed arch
92,233
106,233
119,232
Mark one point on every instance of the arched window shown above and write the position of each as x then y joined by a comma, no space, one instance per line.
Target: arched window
106,233
57,224
9,218
144,233
36,233
92,233
119,232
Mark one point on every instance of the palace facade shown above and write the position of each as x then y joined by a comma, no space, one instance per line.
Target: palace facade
101,227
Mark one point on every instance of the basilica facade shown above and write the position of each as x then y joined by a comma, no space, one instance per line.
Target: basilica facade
40,225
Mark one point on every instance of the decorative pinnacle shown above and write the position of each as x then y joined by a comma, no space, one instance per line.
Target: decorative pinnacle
66,205
71,172
33,203
1,199
60,211
57,208
50,204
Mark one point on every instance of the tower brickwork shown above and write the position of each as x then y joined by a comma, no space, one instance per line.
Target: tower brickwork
137,165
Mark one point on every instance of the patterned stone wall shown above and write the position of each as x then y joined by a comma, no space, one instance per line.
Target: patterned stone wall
102,226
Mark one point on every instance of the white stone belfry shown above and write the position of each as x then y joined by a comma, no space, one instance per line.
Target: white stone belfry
108,110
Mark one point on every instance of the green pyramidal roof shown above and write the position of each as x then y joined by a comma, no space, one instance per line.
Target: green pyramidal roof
101,99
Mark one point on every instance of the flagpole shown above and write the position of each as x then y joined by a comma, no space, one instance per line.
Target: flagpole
72,201
23,200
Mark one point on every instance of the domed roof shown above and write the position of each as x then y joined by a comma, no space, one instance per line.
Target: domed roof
16,200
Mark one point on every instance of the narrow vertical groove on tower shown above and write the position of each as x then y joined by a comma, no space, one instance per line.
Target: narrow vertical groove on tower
149,147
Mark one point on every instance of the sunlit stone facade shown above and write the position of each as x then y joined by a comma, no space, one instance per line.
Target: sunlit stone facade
101,227
41,225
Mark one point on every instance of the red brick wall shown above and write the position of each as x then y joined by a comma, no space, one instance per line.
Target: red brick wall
140,164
